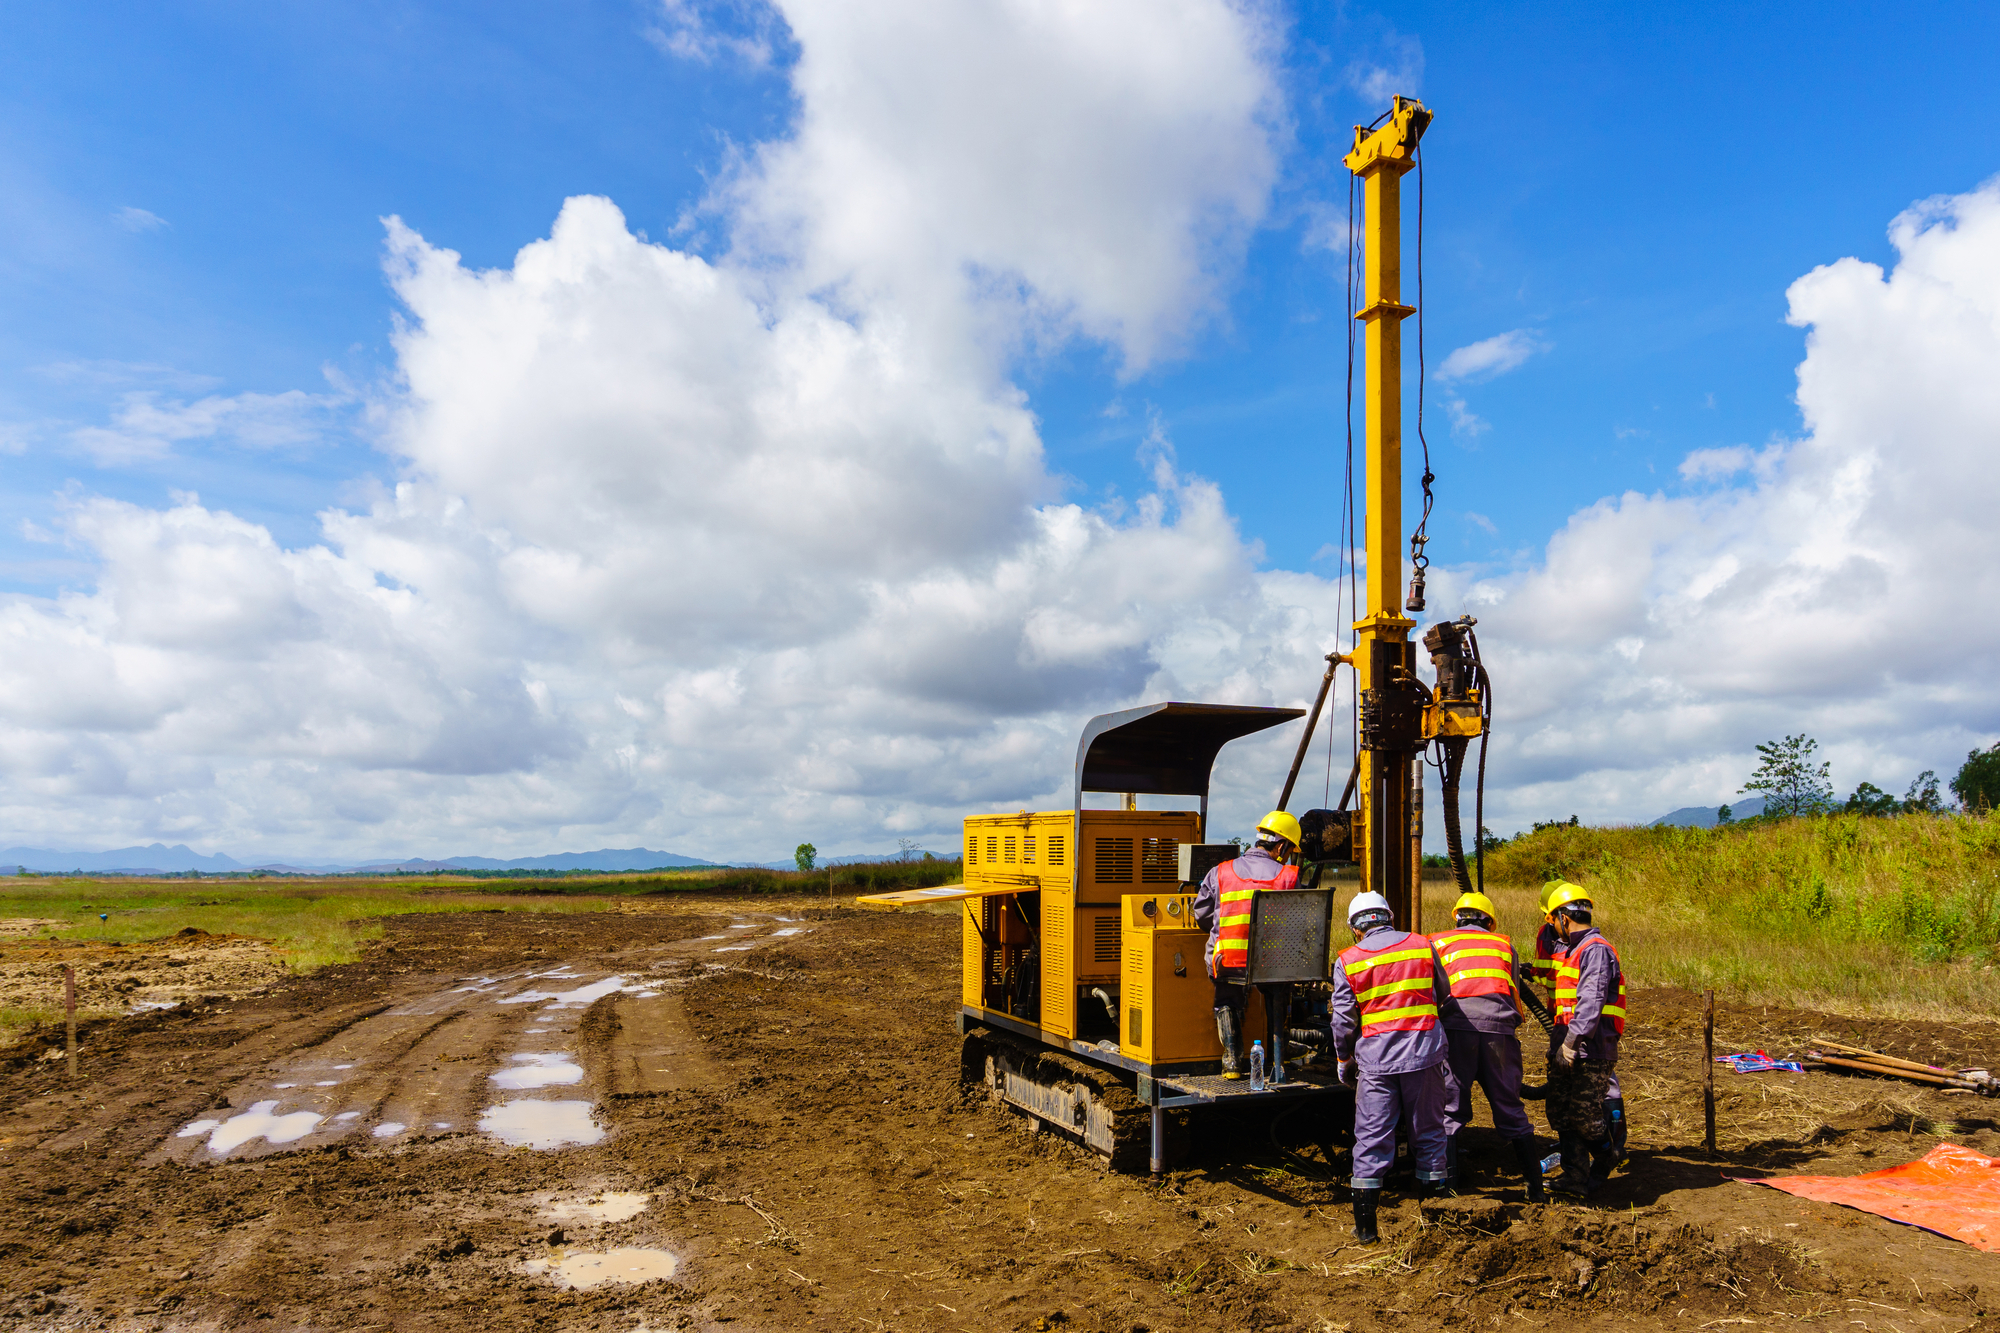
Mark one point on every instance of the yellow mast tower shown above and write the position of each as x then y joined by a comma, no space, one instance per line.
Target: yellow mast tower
1388,837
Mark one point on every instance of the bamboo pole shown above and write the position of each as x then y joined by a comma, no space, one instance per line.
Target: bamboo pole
1887,1071
1708,1069
1876,1056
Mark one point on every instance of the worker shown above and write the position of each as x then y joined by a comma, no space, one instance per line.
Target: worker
1548,943
1590,1019
1223,907
1549,947
1388,992
1481,1036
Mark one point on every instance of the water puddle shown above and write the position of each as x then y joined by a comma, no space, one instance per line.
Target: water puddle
581,1272
736,948
348,1115
540,1070
147,1006
258,1122
529,1123
610,1206
788,930
389,1129
743,925
580,998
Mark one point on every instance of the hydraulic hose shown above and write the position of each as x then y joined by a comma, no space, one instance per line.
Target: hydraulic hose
1454,841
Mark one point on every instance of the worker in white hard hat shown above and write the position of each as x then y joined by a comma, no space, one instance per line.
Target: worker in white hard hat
1482,1037
1389,991
1223,907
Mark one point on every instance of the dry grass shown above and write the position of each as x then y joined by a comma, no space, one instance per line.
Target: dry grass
1893,917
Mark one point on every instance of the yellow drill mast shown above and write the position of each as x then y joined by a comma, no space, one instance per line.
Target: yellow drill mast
1388,837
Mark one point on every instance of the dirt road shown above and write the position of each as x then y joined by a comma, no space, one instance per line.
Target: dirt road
755,1107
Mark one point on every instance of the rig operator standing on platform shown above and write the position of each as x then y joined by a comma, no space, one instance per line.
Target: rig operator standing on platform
1482,1036
1388,993
1223,906
1590,1018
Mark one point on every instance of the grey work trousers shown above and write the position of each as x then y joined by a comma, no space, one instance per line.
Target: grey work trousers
1380,1100
1493,1060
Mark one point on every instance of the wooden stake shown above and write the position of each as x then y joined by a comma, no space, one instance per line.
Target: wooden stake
69,1008
1708,1068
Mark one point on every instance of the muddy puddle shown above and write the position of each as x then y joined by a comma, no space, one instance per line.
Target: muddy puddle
628,1264
529,1122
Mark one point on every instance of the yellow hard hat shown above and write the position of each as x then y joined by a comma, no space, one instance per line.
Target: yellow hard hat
1282,825
1566,894
1475,902
1550,890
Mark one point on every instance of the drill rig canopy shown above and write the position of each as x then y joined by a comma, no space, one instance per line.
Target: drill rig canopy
1164,749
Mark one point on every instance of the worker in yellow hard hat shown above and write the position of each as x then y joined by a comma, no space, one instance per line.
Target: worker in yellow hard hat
1548,944
1583,1050
1481,1035
1223,906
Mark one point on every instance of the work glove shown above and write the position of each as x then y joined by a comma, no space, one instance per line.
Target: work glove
1349,1074
1566,1053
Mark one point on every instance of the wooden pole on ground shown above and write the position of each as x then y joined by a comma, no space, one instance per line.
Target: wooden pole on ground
1708,1069
69,1009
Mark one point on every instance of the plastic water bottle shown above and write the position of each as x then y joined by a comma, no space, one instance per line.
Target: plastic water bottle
1552,1163
1256,1066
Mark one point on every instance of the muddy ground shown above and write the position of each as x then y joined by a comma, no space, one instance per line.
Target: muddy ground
779,1118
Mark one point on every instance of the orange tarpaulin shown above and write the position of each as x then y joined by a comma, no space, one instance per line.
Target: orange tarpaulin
1951,1190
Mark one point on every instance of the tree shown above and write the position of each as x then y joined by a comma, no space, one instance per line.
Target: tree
1489,841
907,849
1724,815
1977,785
1869,799
1922,797
805,856
1571,822
1790,782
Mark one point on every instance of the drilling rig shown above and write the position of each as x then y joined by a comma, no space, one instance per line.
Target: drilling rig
1085,1000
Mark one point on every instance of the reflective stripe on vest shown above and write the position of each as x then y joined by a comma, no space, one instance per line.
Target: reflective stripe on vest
1567,975
1386,982
1232,913
1476,962
1548,952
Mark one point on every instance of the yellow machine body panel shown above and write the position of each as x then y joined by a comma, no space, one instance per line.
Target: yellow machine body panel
1167,998
1054,881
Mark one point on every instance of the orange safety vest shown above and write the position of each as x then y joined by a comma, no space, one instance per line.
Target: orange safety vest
1232,913
1568,974
1396,986
1548,952
1476,962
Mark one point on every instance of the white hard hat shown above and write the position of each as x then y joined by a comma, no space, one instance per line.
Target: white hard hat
1365,904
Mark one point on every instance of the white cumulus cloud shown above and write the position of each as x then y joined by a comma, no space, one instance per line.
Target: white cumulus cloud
717,554
1661,637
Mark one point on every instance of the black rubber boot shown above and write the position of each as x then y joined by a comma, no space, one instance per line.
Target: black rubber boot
1529,1158
1603,1158
1232,1042
1364,1216
1575,1178
1451,1162
1614,1119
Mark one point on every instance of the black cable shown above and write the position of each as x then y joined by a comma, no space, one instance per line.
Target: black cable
1422,535
1350,573
1485,732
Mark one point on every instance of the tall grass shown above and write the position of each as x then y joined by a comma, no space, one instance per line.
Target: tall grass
1897,916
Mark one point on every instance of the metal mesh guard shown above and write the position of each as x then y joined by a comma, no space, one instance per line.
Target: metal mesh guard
1289,940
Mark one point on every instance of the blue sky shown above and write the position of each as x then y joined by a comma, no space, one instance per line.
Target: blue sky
194,197
1637,187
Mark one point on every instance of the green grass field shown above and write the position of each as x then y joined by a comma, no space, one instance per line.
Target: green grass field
320,921
1890,916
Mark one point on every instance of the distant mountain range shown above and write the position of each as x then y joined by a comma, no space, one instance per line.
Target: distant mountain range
1704,816
158,858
